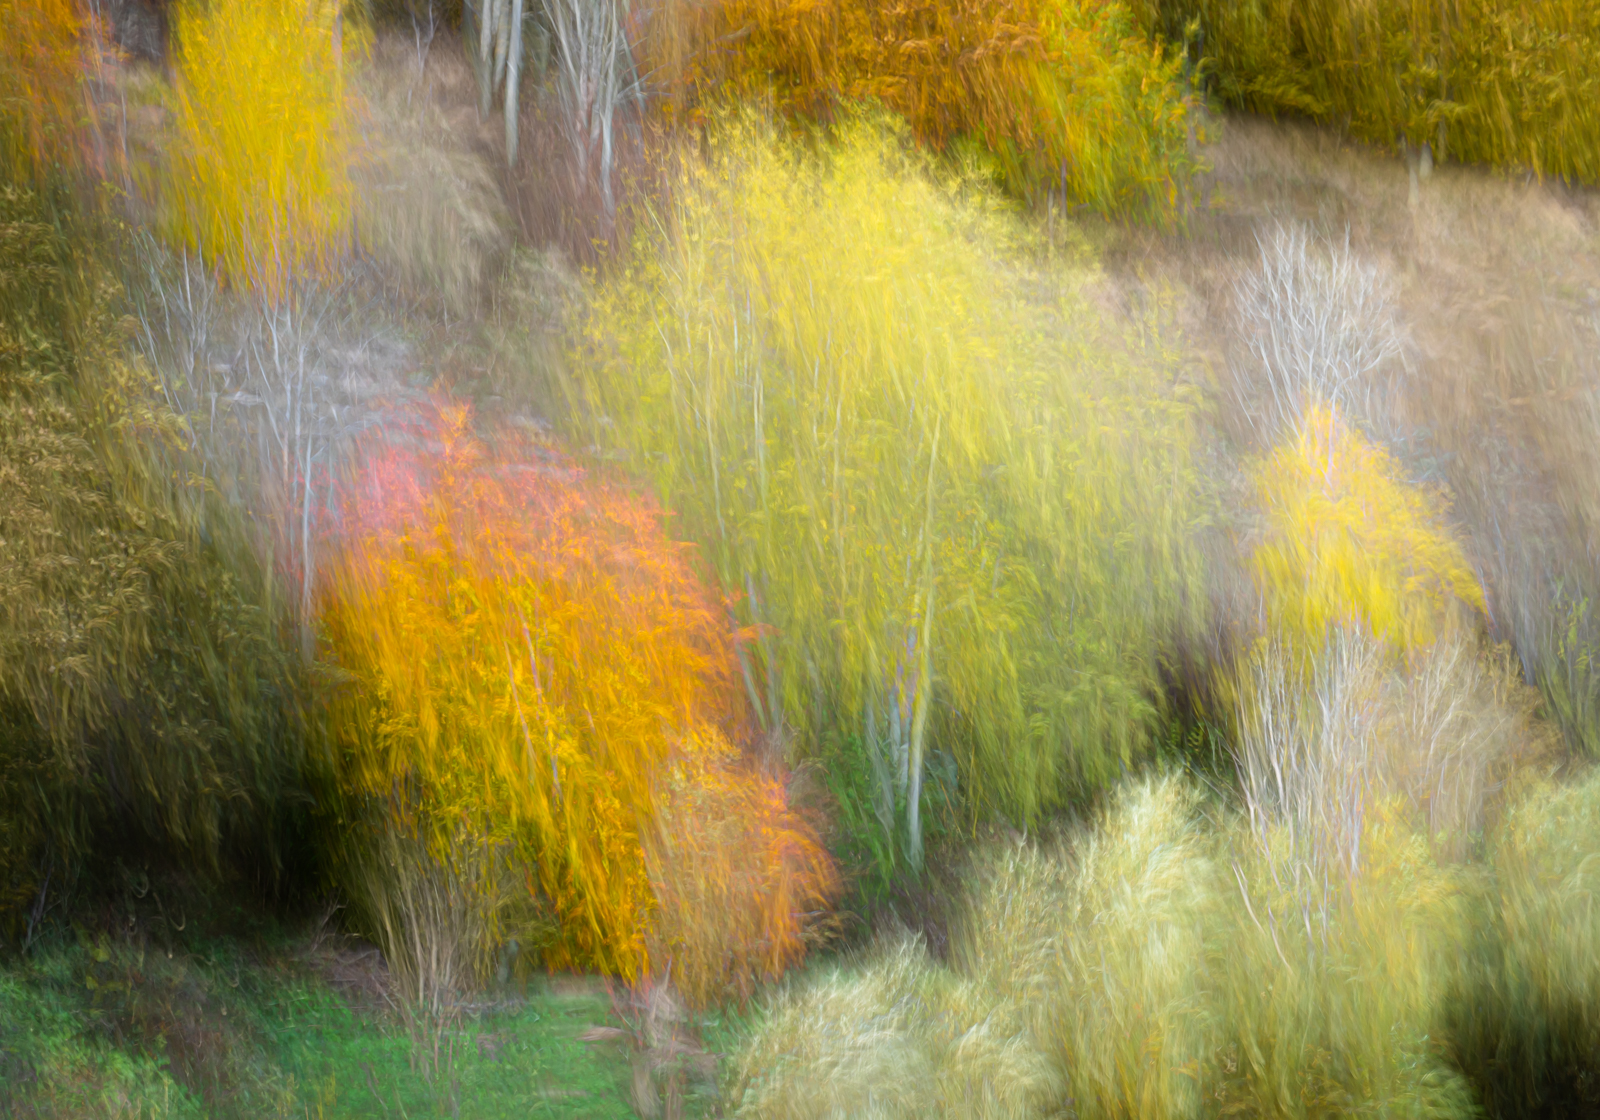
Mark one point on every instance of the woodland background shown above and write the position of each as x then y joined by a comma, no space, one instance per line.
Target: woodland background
799,558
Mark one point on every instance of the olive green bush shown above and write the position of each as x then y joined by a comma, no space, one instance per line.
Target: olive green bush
141,665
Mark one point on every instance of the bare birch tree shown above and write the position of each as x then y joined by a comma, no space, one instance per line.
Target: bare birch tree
595,76
498,60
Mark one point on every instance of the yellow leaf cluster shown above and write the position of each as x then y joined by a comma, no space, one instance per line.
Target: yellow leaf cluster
1350,542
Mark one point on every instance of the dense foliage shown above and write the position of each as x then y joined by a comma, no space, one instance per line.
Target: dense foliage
949,521
143,683
40,101
527,651
1490,81
1057,95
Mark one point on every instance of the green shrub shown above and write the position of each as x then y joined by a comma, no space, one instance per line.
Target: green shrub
52,1067
952,517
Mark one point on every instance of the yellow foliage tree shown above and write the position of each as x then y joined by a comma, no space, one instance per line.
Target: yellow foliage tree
1351,542
957,524
260,180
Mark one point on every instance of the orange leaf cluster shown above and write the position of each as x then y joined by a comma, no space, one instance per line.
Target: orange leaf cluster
40,65
527,650
739,875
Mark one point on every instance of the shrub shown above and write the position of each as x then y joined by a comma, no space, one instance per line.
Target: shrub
896,1037
1103,942
738,878
1332,982
525,649
260,174
1443,732
53,1070
1349,541
947,526
1492,81
1322,325
1524,1018
1567,671
1168,959
1365,784
1062,95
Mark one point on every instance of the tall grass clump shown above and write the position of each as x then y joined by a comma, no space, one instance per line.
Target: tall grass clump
1063,98
526,656
259,177
1174,957
1488,81
1103,941
895,1036
947,517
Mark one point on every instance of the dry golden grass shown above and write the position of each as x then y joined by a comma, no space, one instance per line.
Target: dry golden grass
894,1037
431,207
1167,960
1103,942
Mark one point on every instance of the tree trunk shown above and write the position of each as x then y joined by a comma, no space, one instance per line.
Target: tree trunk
513,82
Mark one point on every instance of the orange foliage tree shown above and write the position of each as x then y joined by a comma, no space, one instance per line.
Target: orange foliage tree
528,651
260,179
40,64
1062,94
